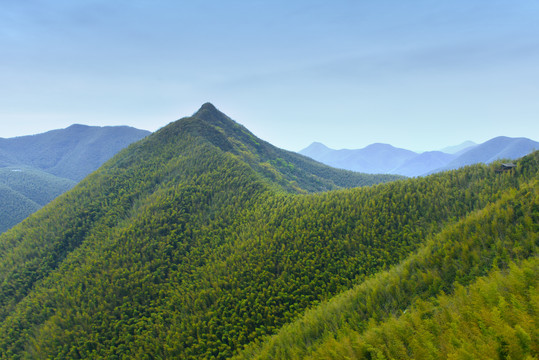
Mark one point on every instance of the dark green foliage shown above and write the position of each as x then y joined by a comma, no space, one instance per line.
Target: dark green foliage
15,207
197,241
24,190
38,186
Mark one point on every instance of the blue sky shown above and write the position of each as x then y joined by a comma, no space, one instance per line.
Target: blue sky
420,75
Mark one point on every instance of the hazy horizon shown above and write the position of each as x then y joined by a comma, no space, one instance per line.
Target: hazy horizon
416,75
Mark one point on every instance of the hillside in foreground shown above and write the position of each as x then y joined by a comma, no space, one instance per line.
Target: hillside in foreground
203,241
468,292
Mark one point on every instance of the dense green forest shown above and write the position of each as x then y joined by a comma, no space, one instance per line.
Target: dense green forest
203,242
468,268
24,190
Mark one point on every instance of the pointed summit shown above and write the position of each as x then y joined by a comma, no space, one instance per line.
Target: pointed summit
290,171
207,106
209,112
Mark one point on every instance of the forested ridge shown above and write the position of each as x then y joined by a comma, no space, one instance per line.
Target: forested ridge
24,190
202,239
469,292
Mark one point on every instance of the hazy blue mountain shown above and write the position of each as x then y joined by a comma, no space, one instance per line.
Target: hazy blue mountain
500,147
373,159
35,169
25,190
424,163
318,151
386,159
34,184
5,157
15,207
70,153
466,145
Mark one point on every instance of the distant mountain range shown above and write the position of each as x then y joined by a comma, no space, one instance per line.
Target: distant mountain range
459,148
24,190
35,169
70,153
387,159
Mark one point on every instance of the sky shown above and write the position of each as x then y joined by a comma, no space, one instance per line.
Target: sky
417,74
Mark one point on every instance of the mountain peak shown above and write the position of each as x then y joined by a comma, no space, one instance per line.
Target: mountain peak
208,106
318,146
210,113
316,150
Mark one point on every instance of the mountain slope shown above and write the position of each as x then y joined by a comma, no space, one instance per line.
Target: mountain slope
198,240
386,159
15,207
502,302
373,159
36,185
25,190
51,163
501,147
369,320
178,181
69,153
290,170
467,145
424,163
318,151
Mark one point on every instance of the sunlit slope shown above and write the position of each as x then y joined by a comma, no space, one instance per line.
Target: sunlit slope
197,241
470,292
493,318
181,158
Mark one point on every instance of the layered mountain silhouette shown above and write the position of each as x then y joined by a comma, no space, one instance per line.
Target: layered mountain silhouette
459,148
374,159
70,153
203,241
386,159
501,147
24,190
423,163
35,169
